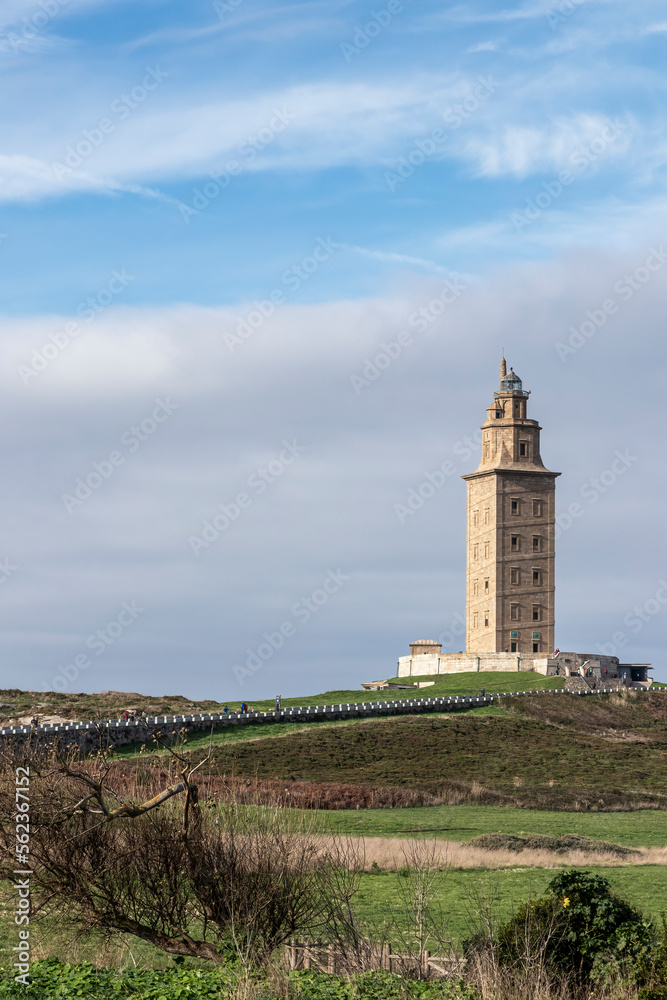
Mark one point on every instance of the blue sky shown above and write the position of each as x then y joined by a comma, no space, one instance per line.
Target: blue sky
164,167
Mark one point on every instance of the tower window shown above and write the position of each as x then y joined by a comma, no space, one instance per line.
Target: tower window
474,621
536,647
486,515
514,612
514,506
474,588
513,647
486,586
514,544
514,635
517,409
486,619
486,550
475,551
475,518
537,578
523,449
536,635
537,508
515,575
536,612
536,543
499,414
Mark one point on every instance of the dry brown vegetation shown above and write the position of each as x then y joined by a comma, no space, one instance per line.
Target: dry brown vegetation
130,778
334,795
387,854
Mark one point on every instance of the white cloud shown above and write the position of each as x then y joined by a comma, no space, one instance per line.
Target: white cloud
484,47
32,22
621,226
326,123
519,151
306,126
528,12
310,126
25,178
401,258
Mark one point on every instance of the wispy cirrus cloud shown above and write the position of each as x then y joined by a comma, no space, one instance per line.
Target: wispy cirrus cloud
618,225
526,12
23,178
27,26
520,150
320,125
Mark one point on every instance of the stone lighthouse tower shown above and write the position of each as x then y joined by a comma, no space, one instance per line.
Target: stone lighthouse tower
511,523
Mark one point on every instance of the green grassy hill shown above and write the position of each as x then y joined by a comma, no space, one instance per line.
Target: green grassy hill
543,751
109,704
539,751
492,681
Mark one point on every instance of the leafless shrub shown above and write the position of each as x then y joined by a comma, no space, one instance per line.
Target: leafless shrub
424,865
157,866
528,977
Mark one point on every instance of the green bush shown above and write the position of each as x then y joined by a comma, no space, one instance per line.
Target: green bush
582,928
51,978
375,986
653,970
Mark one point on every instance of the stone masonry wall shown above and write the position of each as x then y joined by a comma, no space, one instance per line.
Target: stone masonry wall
454,663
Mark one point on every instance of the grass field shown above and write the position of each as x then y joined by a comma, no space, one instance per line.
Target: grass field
459,893
641,828
378,901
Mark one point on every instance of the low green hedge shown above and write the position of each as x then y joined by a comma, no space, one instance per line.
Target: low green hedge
50,979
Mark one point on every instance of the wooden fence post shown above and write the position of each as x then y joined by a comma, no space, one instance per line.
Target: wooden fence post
385,962
331,965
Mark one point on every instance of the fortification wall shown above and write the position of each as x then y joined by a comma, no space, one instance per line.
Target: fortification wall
456,663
